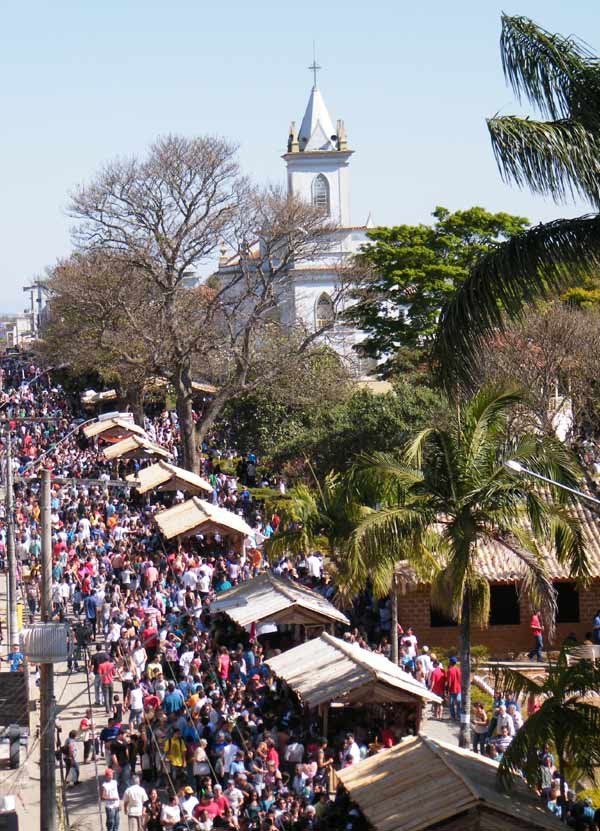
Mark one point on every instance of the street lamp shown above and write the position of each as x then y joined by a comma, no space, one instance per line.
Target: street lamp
517,467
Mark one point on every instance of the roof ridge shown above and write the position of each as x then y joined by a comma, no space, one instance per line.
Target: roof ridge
349,652
435,748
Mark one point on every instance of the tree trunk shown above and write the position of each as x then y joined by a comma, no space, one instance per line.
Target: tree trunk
183,391
465,669
394,627
563,792
210,415
134,399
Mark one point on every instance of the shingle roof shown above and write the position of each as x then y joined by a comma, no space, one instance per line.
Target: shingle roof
498,564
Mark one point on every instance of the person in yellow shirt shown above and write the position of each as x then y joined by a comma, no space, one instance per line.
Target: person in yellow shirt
175,753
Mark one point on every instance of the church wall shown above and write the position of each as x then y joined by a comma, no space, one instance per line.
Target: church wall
303,168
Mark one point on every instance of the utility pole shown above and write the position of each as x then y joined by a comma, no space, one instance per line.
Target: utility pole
13,626
47,704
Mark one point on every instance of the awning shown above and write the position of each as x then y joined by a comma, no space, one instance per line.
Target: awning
330,669
165,477
274,599
421,783
113,428
135,447
196,516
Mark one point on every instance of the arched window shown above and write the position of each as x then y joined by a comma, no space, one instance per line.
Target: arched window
320,193
324,313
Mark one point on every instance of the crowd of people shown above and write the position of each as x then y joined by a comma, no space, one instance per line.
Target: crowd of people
187,724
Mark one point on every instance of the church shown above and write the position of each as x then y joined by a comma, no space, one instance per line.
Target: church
317,161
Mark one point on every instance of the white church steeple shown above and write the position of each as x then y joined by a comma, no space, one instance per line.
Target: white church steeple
317,159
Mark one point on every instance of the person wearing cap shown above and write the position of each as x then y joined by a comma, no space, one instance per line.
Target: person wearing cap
187,801
109,794
134,799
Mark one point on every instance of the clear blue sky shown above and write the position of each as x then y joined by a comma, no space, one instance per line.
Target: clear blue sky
82,82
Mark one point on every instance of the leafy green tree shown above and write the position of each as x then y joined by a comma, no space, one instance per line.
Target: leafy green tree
409,272
452,492
556,157
285,405
567,721
364,422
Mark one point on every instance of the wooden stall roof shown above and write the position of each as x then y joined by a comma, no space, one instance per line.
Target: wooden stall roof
196,516
166,477
421,782
269,598
135,447
113,428
328,669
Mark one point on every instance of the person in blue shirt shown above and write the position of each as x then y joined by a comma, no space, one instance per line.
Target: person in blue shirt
16,659
173,701
596,629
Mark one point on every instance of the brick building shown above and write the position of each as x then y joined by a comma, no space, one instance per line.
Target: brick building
508,630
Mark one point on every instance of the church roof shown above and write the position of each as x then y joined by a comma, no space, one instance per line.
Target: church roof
317,129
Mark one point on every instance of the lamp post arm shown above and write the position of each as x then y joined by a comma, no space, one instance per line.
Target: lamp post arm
581,494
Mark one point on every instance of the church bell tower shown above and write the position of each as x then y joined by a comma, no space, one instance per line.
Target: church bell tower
317,159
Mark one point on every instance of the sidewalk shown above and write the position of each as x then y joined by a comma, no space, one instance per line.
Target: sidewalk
71,695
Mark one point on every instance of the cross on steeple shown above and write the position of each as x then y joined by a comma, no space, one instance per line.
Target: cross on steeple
314,67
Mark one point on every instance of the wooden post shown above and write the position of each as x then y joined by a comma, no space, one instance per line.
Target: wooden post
47,709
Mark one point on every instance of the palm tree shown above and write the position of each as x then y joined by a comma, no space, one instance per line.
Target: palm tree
559,157
324,517
452,492
567,720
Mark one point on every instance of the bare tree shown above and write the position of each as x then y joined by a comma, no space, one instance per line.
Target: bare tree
552,354
145,225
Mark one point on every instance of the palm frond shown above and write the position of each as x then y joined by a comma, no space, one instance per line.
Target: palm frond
540,65
527,268
558,159
536,580
486,412
521,756
569,542
516,683
378,476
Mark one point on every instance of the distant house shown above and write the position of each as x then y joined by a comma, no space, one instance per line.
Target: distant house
508,630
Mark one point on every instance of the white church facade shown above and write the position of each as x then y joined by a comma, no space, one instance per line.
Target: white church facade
318,171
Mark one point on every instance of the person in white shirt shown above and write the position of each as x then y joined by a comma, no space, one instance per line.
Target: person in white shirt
187,801
170,813
351,749
133,803
410,641
190,579
314,565
135,700
110,797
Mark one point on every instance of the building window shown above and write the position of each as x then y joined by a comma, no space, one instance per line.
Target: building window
320,193
567,600
439,619
504,606
324,313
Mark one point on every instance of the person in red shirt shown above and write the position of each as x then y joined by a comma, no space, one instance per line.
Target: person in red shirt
107,671
438,682
453,685
538,640
272,754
